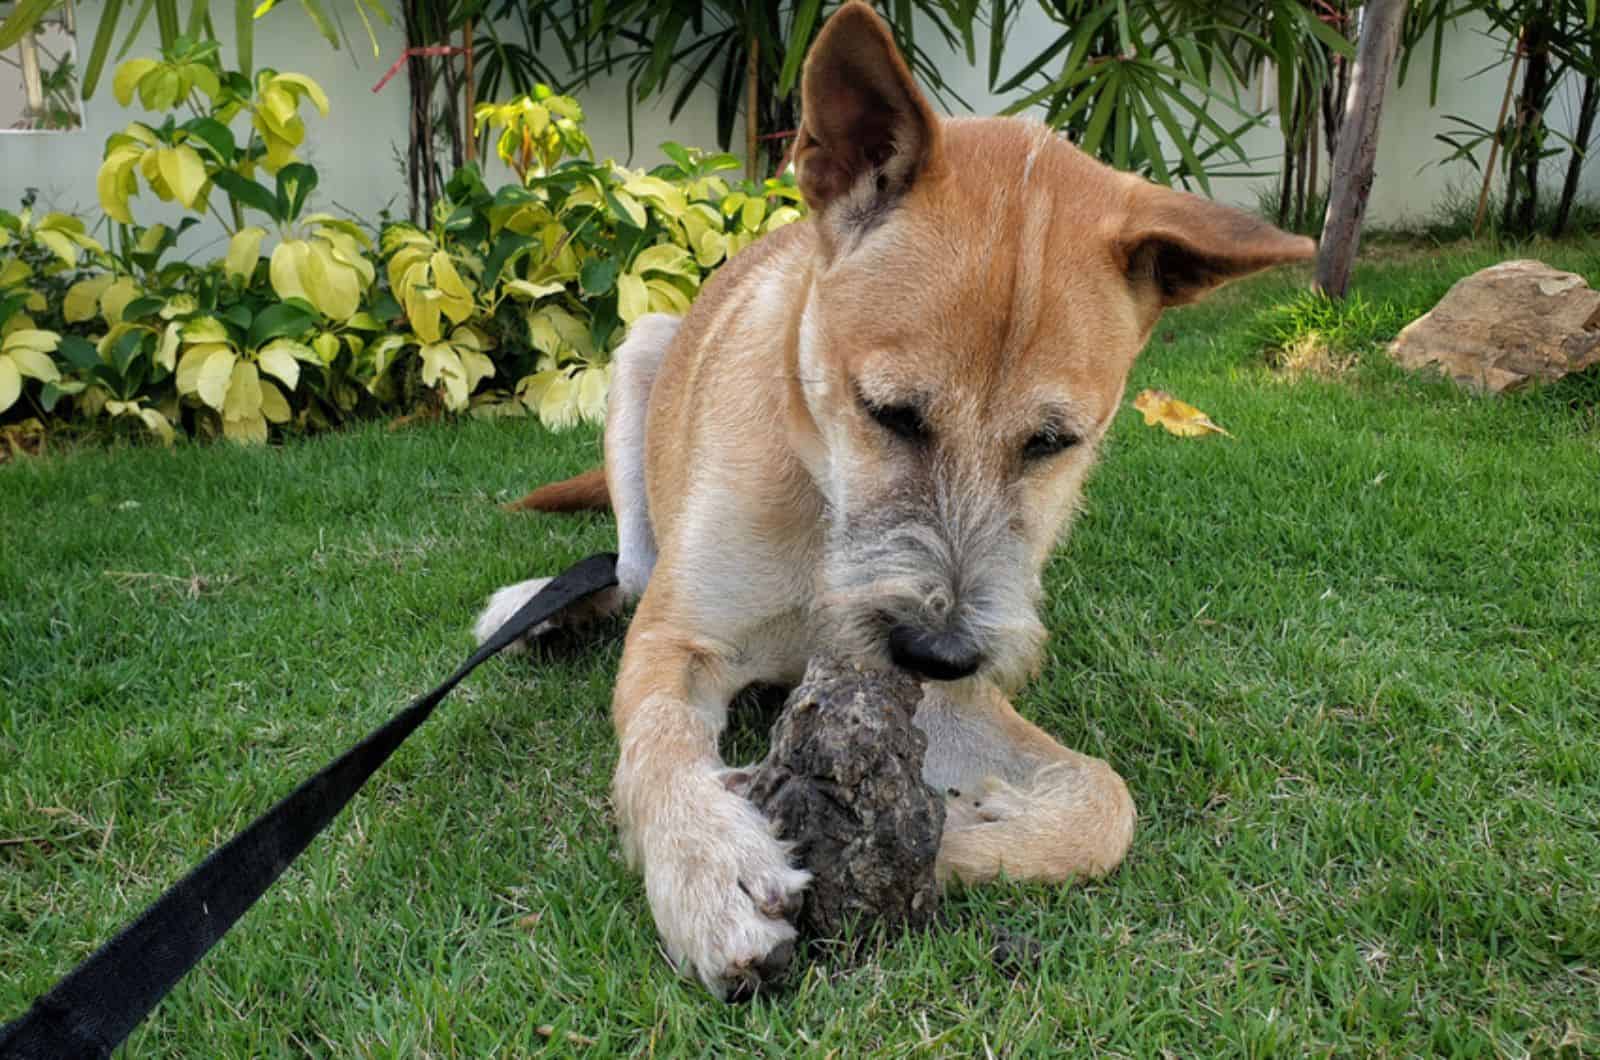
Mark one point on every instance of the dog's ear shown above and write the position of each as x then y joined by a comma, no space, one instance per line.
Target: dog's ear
1178,246
866,131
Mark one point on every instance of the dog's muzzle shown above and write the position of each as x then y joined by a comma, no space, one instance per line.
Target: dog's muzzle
936,656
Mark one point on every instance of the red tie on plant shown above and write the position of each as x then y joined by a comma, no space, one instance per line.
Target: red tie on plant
428,51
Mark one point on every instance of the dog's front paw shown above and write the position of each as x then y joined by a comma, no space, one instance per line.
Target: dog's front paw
722,891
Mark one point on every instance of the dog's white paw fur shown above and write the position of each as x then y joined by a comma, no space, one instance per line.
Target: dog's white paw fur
506,602
721,887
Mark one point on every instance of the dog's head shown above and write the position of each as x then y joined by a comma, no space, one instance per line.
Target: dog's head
980,291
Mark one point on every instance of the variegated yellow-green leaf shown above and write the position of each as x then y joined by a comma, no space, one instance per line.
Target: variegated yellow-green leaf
167,350
475,366
244,250
287,269
160,88
441,365
243,397
32,339
332,287
115,181
205,329
189,365
633,299
179,305
307,87
277,359
665,297
752,212
526,289
783,215
215,375
116,298
553,330
150,239
128,76
153,420
248,430
59,244
383,350
326,346
33,363
82,300
10,382
592,385
557,409
710,248
273,404
457,301
665,257
631,208
157,424
13,272
422,310
184,172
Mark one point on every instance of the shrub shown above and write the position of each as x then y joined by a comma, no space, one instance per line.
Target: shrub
510,301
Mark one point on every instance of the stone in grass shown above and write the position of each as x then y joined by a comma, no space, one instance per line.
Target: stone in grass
1505,326
843,783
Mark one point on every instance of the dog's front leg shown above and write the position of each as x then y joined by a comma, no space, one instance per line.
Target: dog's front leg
720,884
1019,803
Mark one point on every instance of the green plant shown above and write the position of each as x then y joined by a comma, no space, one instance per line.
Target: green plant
748,53
172,28
556,267
509,302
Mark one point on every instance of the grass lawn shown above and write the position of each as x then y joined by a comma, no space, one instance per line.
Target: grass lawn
1348,661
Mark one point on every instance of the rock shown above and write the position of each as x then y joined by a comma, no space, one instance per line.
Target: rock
1505,325
843,782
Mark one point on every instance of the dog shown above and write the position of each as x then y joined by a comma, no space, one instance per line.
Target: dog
867,435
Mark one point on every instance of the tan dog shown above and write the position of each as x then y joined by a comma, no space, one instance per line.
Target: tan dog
867,435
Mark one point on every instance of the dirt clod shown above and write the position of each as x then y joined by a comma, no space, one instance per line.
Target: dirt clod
843,782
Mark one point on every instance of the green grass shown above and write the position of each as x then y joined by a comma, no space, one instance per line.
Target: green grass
1347,661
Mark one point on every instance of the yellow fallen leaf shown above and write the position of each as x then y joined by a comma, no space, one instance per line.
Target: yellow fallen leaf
1177,417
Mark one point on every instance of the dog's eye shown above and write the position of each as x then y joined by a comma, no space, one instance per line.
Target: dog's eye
1048,442
903,421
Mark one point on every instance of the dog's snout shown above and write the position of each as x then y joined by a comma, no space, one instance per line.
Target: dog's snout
938,656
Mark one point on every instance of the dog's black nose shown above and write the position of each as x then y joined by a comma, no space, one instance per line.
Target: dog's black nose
940,656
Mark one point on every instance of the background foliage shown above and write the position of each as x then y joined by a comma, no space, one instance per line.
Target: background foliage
509,301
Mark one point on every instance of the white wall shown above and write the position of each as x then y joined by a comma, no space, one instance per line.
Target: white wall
1408,183
356,149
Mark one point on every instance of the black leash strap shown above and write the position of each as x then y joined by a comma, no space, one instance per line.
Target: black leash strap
98,1004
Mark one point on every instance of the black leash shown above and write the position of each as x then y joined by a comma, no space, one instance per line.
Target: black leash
99,1003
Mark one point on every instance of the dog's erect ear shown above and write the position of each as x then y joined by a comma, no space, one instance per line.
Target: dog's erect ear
866,131
1181,246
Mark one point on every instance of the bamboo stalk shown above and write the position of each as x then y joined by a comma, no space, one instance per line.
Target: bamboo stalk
472,104
32,80
1494,142
752,123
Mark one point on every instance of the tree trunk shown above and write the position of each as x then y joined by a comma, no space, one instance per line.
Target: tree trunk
1530,122
1580,151
1351,176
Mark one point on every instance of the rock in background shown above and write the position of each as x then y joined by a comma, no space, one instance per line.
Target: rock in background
843,782
1505,325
